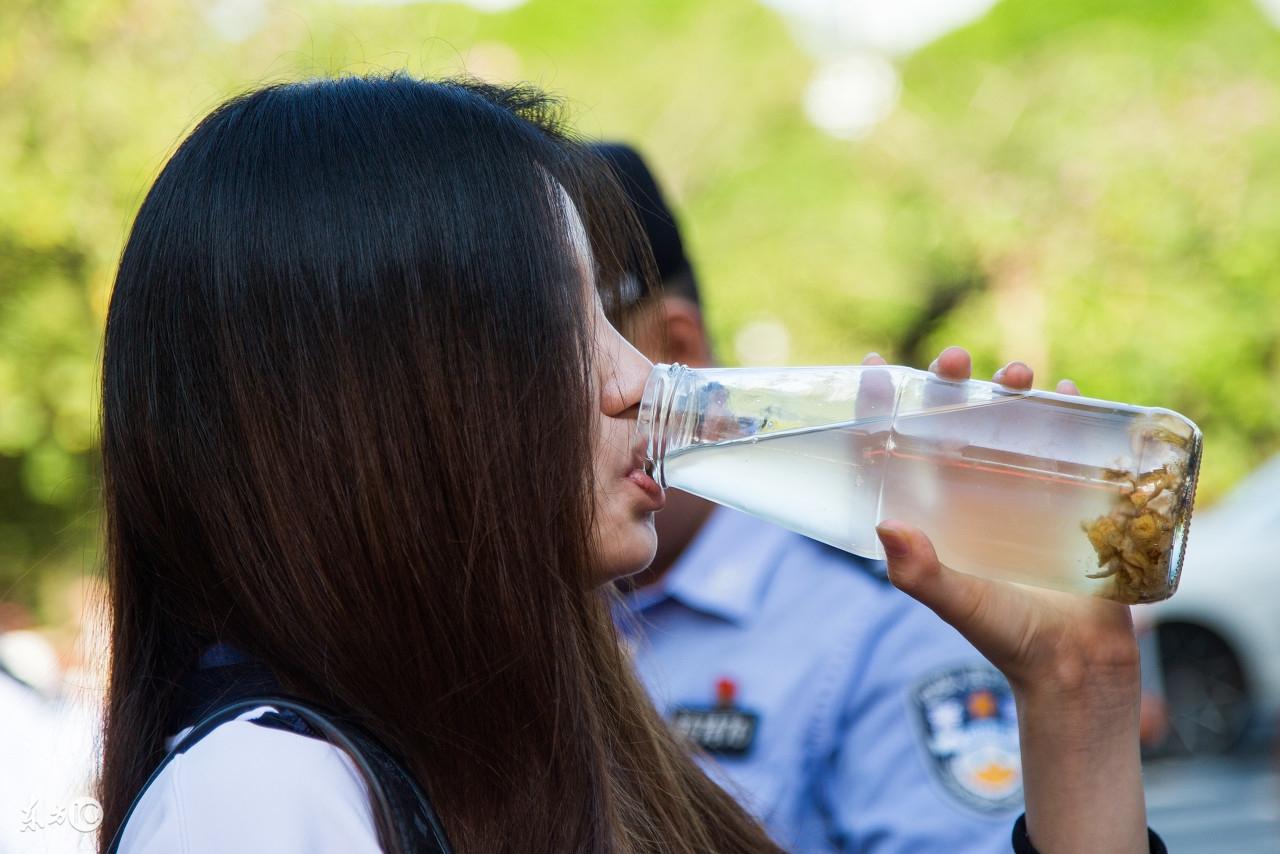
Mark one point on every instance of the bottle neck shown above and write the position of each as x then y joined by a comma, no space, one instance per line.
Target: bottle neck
659,425
682,407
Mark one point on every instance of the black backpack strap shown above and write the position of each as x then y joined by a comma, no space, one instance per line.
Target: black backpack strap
392,790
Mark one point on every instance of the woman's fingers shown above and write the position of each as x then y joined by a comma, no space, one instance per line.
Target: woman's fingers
1067,387
953,364
1015,375
875,390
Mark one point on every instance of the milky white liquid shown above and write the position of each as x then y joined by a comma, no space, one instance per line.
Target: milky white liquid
988,512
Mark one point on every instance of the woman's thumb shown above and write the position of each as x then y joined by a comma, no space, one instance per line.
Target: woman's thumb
914,569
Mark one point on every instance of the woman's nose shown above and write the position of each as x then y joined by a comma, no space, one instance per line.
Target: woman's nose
624,386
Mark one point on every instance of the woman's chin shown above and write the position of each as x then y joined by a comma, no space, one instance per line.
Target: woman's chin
628,552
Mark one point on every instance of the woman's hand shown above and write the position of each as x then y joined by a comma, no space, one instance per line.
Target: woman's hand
1072,662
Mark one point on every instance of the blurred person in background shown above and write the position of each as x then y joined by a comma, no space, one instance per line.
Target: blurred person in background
46,744
845,715
27,724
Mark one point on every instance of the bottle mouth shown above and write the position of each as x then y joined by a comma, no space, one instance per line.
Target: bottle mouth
655,413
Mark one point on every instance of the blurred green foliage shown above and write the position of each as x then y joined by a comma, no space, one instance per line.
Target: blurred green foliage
1091,186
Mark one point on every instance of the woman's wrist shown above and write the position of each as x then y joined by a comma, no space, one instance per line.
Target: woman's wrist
1082,689
1096,719
1102,668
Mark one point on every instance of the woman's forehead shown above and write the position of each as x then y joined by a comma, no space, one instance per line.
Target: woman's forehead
578,238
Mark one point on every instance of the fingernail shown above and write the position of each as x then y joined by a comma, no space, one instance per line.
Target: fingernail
895,544
873,355
933,366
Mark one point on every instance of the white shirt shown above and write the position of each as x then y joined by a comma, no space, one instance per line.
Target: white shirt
249,788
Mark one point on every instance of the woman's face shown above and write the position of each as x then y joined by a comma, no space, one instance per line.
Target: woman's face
625,496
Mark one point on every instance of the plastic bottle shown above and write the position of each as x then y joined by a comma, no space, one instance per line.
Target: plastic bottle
1058,491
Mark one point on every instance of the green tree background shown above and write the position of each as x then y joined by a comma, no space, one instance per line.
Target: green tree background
1091,186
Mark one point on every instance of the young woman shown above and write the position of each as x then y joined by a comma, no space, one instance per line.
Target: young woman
367,442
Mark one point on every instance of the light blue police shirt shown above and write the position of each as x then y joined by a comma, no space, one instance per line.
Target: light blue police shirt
878,727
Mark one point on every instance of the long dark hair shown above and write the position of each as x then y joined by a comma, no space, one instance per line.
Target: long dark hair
345,428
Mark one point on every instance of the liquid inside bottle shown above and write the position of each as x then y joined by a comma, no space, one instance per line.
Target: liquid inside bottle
1073,494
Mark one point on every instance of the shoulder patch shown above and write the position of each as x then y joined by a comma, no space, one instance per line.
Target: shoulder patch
969,729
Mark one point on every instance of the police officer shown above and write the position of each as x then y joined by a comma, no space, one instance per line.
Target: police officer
844,714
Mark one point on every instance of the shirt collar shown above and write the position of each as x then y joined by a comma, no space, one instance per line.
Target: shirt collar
724,571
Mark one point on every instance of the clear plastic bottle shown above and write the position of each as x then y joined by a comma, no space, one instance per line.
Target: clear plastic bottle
1058,491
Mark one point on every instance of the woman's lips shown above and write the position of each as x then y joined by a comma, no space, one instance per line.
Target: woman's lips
649,486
